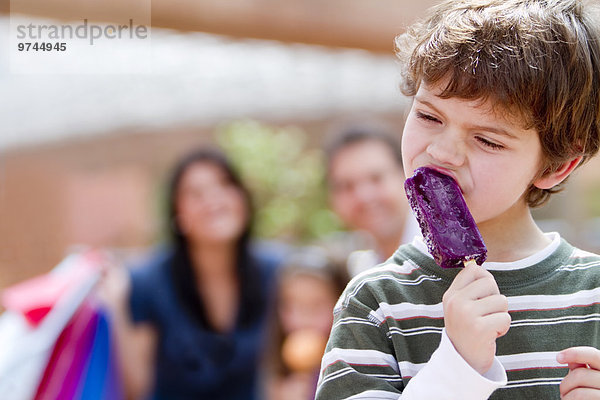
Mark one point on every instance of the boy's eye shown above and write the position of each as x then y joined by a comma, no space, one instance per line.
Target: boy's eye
488,143
426,117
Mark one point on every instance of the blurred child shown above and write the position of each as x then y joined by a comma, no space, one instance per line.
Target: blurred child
308,287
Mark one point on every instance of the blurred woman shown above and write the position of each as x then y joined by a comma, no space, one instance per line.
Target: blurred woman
308,286
191,321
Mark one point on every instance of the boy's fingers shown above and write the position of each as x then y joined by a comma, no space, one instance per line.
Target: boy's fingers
481,288
581,378
496,303
468,274
582,355
477,270
572,366
582,393
499,322
464,277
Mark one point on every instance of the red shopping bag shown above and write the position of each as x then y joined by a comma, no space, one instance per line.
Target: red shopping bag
70,357
64,332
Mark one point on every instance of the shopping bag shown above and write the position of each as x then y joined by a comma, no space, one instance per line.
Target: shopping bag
102,378
82,365
70,357
37,312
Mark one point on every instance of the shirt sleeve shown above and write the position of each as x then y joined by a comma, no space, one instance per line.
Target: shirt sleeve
448,376
359,363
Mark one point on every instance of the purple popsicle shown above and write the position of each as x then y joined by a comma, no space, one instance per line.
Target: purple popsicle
448,227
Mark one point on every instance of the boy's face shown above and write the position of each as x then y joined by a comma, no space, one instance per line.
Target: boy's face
491,156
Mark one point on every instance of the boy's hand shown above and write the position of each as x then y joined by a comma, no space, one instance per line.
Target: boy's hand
475,315
583,379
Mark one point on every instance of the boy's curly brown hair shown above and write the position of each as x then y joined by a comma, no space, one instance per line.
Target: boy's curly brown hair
538,60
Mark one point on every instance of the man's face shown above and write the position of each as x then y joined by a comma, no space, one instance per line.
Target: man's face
493,158
366,188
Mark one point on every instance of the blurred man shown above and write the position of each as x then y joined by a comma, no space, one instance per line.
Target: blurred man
366,189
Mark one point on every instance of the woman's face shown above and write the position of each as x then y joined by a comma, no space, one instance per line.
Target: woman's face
210,208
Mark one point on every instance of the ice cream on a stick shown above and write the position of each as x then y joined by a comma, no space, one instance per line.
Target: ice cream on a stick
448,227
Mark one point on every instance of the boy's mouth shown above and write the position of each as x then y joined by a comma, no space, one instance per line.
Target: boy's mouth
446,172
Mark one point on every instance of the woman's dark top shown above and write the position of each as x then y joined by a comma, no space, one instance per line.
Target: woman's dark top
192,360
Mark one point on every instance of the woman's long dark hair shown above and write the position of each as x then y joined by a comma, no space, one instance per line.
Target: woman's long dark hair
252,296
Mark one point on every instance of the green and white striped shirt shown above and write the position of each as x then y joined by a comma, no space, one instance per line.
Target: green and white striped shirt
388,340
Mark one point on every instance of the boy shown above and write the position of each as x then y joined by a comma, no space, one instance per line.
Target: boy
505,101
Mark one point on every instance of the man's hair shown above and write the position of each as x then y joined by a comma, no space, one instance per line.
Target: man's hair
538,59
361,133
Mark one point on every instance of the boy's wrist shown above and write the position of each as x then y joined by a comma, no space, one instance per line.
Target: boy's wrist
495,374
453,377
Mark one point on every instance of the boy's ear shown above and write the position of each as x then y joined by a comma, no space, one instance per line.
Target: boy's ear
551,179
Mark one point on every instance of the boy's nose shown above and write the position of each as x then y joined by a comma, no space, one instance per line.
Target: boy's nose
447,150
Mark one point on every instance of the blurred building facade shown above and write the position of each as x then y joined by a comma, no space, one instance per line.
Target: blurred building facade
83,157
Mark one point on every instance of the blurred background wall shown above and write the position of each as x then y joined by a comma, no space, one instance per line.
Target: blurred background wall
83,157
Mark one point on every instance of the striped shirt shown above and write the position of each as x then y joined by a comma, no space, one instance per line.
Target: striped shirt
388,340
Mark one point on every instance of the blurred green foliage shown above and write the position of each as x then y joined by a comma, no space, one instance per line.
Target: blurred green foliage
285,176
